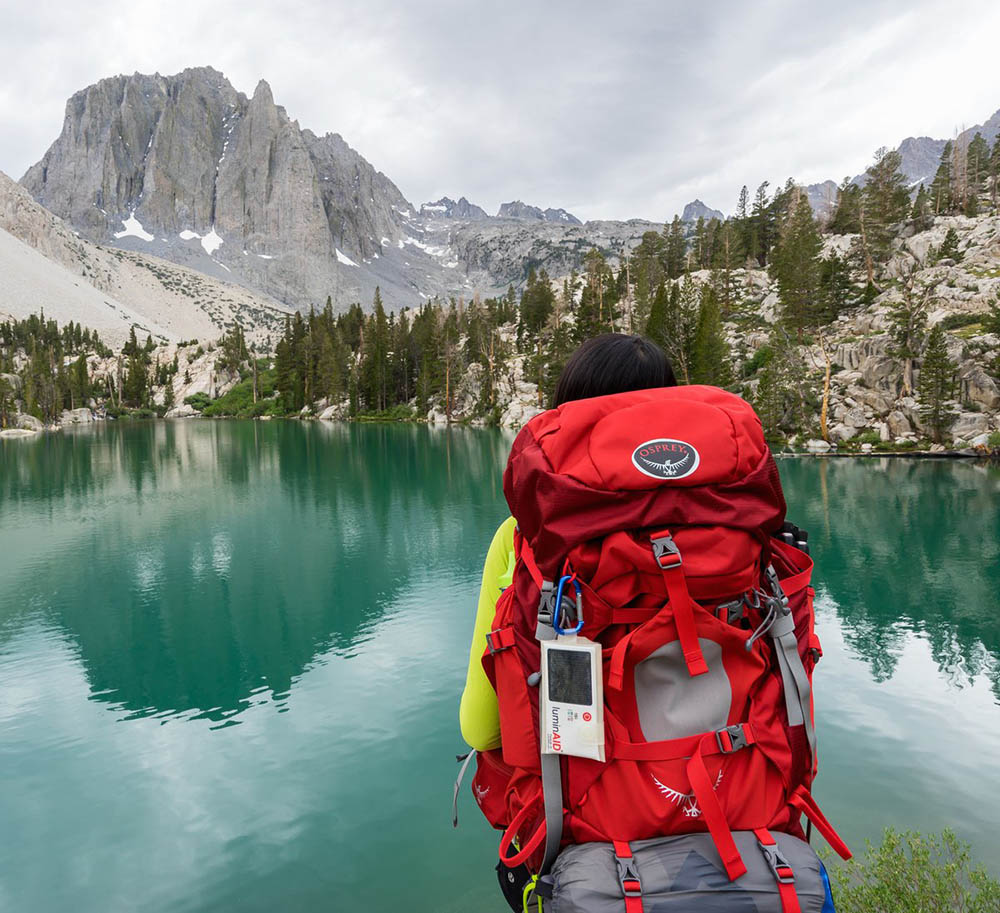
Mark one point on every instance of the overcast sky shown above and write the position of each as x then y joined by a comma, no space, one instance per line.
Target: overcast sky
611,110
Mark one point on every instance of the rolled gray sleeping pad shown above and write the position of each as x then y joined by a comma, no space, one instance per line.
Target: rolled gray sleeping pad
684,875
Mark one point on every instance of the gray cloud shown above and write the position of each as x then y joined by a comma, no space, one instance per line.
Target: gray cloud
610,110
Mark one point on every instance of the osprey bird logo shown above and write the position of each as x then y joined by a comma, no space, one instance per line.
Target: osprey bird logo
665,458
686,800
481,793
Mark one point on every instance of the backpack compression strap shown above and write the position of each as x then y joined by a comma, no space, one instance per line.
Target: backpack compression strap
794,679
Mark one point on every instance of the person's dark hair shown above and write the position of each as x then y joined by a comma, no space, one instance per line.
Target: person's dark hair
613,363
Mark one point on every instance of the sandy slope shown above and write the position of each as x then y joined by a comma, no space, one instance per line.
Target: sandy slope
107,288
30,283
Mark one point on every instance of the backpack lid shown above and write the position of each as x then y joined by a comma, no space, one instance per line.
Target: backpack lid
669,456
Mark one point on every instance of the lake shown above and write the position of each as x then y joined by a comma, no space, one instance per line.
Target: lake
231,655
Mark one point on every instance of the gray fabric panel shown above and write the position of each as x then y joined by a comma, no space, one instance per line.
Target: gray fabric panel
682,875
672,703
458,785
553,799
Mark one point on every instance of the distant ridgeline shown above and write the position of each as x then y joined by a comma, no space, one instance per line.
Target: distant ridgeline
880,326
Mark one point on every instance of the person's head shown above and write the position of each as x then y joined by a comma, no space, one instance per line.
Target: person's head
613,363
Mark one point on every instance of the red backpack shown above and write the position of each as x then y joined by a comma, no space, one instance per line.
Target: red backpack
660,505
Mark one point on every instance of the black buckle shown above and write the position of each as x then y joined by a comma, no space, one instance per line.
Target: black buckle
664,547
737,738
779,866
628,877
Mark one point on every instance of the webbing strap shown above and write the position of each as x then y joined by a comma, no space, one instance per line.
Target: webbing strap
469,758
802,800
683,609
553,800
712,813
794,680
782,871
628,876
532,844
528,557
727,740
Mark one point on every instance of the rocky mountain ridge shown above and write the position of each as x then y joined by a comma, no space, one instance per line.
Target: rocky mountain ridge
188,169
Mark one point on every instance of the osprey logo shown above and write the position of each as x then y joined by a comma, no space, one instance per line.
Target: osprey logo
686,800
664,458
481,793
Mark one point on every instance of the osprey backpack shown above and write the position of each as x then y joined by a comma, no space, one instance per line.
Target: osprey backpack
645,523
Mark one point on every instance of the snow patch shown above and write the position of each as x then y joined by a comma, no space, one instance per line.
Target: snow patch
188,235
264,256
133,229
386,242
211,242
343,258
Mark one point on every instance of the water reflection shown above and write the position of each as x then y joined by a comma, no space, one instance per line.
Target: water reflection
197,564
907,546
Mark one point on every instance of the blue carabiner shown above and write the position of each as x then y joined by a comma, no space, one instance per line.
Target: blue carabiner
579,606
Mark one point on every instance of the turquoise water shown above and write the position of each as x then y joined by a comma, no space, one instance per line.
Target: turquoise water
231,654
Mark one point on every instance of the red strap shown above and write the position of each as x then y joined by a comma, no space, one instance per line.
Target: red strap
671,749
525,554
715,818
783,874
683,609
616,670
802,800
629,877
501,639
511,832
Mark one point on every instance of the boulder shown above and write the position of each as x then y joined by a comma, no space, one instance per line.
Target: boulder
969,424
884,433
883,373
980,440
855,418
28,422
817,446
13,381
979,387
81,416
843,432
898,424
866,448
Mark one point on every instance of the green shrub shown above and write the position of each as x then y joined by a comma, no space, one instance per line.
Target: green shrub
198,401
759,359
957,321
913,873
993,441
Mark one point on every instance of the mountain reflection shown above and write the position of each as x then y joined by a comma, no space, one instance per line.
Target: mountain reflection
200,567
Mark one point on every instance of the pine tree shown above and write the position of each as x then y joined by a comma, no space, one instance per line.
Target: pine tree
949,246
837,292
710,359
937,385
676,248
907,323
886,202
921,212
846,218
795,267
656,325
941,186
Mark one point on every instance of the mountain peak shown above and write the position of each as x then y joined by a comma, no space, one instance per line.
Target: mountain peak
518,209
696,210
262,94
